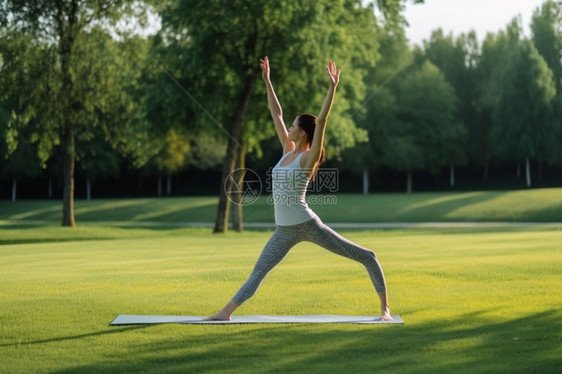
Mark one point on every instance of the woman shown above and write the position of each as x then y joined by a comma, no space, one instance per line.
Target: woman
303,151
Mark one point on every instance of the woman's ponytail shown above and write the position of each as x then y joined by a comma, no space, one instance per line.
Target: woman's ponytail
307,122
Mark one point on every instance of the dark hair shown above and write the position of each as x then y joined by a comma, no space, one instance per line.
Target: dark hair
307,123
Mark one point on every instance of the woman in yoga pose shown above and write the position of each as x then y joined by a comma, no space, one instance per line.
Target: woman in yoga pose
303,151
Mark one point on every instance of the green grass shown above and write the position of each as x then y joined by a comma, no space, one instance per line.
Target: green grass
473,302
537,205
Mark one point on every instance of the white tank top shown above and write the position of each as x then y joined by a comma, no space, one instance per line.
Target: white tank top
289,185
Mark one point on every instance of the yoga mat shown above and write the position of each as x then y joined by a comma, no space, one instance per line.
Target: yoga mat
133,319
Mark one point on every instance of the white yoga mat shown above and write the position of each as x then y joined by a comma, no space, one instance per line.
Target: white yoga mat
133,319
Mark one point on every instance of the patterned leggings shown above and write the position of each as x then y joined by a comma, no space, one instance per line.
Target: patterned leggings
285,237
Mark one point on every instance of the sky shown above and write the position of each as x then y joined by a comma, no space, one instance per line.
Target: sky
461,16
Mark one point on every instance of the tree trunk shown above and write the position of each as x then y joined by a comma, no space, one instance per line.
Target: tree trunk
221,222
365,182
409,182
68,193
528,172
159,186
518,170
232,150
14,189
88,189
67,30
238,212
452,176
50,187
169,185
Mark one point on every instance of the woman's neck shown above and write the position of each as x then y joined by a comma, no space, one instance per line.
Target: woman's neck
301,147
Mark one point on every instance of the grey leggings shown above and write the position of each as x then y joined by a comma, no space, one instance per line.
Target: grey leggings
285,237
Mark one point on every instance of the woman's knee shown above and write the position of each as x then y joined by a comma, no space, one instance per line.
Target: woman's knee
368,256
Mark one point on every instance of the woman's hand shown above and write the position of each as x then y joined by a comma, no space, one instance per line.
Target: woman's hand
334,73
264,65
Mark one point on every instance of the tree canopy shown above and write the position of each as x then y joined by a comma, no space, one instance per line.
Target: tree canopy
80,78
525,126
79,90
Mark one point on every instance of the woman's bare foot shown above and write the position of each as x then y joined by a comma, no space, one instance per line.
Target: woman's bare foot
225,314
385,308
220,316
385,314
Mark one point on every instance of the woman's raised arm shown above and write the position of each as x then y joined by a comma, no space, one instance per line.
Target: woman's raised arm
334,75
313,156
275,107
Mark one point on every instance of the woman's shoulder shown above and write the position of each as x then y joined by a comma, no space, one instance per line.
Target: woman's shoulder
288,147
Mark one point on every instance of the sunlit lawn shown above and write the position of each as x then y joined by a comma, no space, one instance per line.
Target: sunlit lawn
536,205
473,302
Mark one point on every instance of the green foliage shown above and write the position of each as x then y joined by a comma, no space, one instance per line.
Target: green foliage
495,52
424,134
96,158
398,117
18,158
524,123
207,152
73,64
546,27
104,93
492,58
81,77
226,39
457,59
172,155
380,104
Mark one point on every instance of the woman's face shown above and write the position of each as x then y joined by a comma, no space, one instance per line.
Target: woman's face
294,131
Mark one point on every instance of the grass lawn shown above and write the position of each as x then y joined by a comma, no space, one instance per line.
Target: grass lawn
536,205
473,302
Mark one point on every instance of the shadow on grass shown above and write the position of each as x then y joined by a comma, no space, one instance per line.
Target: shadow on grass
51,240
441,207
74,337
101,210
149,209
468,344
552,214
33,234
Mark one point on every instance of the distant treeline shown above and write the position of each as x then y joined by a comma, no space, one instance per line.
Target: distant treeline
138,110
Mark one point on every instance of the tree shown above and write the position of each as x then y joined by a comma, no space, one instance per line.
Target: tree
18,53
494,54
380,104
546,28
79,84
16,164
457,60
96,159
424,134
177,137
223,41
171,158
524,122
